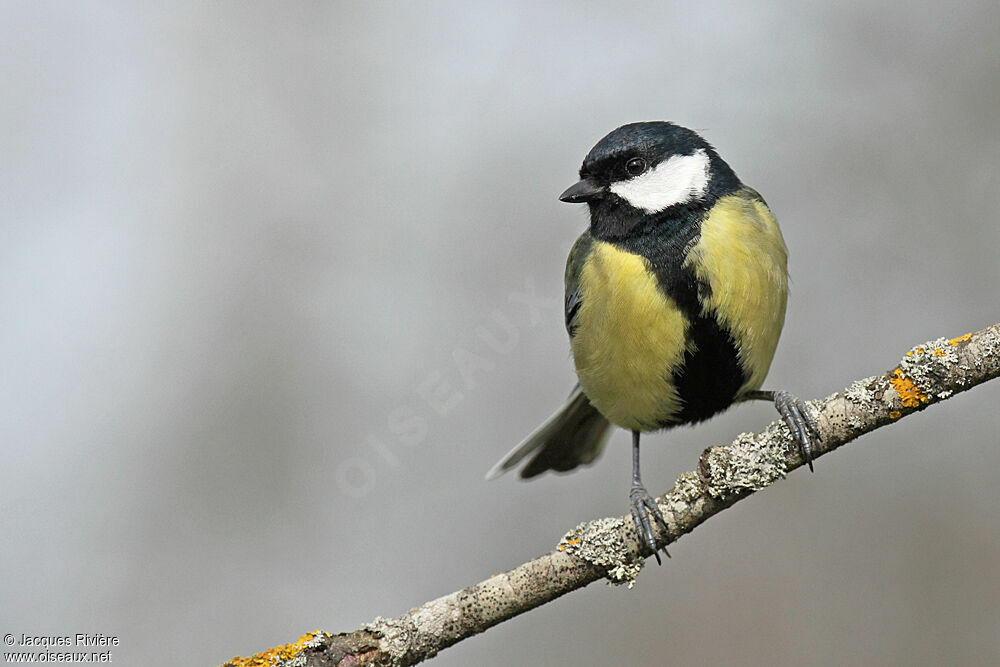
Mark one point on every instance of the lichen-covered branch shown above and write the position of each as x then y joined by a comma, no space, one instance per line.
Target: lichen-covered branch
607,548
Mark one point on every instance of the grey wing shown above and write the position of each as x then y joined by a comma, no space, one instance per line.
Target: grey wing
574,265
572,307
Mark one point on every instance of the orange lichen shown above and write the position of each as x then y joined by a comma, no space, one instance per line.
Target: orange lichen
895,414
939,352
573,541
909,394
272,655
960,339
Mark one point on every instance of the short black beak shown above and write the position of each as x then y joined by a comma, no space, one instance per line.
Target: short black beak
582,192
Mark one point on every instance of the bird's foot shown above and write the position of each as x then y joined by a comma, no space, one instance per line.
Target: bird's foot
800,423
642,506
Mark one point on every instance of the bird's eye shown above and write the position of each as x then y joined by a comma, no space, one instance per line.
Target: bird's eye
635,166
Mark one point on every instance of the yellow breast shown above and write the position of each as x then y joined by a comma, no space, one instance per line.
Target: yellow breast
630,340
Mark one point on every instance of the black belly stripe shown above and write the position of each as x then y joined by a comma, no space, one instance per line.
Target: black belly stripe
711,375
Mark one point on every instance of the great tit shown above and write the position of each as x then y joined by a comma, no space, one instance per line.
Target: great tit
675,299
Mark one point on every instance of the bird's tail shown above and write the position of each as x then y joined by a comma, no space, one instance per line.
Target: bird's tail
573,436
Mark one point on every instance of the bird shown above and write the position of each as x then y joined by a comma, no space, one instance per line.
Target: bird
675,300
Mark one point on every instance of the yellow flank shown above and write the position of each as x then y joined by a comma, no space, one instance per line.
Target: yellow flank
743,258
630,337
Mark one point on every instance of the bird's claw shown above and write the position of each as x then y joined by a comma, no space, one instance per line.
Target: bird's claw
642,506
800,423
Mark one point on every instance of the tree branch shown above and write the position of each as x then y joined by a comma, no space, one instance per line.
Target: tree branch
607,548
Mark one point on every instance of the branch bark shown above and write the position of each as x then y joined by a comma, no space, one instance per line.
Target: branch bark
607,548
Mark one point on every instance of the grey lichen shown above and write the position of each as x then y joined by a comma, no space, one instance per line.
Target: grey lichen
987,351
862,398
927,365
395,634
602,543
687,488
749,464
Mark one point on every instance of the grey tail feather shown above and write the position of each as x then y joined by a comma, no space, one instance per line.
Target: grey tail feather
573,436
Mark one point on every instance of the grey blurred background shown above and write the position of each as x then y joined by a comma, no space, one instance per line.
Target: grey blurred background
246,250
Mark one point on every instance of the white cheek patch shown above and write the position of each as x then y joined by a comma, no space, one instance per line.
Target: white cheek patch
676,180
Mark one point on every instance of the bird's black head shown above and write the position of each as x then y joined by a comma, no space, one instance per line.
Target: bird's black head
646,173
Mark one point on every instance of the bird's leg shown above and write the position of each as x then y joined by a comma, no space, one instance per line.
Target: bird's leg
643,505
797,418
